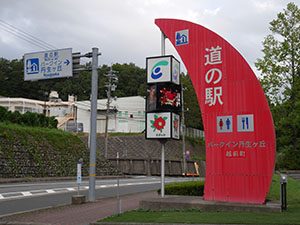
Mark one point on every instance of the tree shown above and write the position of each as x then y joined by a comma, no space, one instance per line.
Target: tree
281,61
192,111
280,69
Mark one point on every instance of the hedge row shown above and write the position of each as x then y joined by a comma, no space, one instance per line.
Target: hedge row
28,118
189,188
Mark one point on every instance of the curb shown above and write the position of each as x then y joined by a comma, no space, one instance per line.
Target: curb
46,179
22,223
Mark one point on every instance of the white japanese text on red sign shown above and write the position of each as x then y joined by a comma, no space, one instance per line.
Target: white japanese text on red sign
213,76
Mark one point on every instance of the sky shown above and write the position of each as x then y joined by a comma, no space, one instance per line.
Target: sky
124,30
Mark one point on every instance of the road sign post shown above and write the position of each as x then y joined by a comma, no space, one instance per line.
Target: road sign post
48,64
163,102
79,177
93,129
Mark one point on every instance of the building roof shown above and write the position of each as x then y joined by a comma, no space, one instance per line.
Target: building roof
132,103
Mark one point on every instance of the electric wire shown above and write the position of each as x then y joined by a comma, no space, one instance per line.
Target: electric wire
28,34
23,38
25,35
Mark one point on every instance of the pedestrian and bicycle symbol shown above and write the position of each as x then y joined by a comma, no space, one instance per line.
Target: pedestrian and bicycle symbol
245,123
224,124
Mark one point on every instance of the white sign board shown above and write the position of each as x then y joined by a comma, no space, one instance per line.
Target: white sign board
175,126
48,64
79,177
175,71
158,69
158,125
163,69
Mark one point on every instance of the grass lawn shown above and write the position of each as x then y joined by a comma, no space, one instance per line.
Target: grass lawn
291,216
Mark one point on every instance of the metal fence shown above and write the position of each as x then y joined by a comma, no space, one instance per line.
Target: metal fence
195,133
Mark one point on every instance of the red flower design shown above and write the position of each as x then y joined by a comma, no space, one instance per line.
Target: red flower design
159,123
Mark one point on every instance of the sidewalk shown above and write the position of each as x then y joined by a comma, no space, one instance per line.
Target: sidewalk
80,214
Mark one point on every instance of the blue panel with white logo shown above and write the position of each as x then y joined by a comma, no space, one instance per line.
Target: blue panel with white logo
182,37
32,66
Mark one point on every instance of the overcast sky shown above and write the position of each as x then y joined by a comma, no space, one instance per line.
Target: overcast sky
124,30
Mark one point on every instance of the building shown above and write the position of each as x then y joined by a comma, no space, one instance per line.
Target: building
126,115
63,111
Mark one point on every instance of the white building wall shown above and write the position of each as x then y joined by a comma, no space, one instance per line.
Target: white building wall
130,116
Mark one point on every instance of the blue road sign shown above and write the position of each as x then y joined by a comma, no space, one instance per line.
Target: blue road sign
48,64
224,124
245,123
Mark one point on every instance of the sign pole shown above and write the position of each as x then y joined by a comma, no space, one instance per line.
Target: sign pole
93,128
162,170
163,142
183,132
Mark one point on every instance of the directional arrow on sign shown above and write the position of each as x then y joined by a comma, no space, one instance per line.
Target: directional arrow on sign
67,62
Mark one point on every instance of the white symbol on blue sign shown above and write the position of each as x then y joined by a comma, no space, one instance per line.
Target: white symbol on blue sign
32,66
224,124
245,123
182,37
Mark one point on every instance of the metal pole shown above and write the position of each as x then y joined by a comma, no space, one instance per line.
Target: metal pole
118,187
163,44
183,131
163,169
93,128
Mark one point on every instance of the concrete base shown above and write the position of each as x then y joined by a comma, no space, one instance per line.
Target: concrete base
78,199
196,202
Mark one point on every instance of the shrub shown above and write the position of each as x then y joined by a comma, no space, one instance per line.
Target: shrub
27,119
188,188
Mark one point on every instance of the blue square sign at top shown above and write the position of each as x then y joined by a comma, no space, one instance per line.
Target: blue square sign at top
32,66
182,37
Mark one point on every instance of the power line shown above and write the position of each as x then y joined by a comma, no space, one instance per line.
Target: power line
25,35
24,38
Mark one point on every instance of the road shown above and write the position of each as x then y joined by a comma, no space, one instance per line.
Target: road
16,198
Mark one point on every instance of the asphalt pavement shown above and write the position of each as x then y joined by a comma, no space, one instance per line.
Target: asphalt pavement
24,197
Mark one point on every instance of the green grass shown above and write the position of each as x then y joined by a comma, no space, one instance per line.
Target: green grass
51,152
291,216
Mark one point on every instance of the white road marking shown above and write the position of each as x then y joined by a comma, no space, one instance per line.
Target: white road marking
26,193
14,195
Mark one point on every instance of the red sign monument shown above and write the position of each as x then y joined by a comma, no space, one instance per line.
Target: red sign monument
238,125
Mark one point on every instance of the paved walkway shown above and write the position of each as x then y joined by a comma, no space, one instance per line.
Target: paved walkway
80,214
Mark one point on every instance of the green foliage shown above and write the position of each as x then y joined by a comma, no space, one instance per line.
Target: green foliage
192,111
28,119
280,68
281,61
132,81
188,188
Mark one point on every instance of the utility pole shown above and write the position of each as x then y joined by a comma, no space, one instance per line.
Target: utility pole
93,126
110,87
